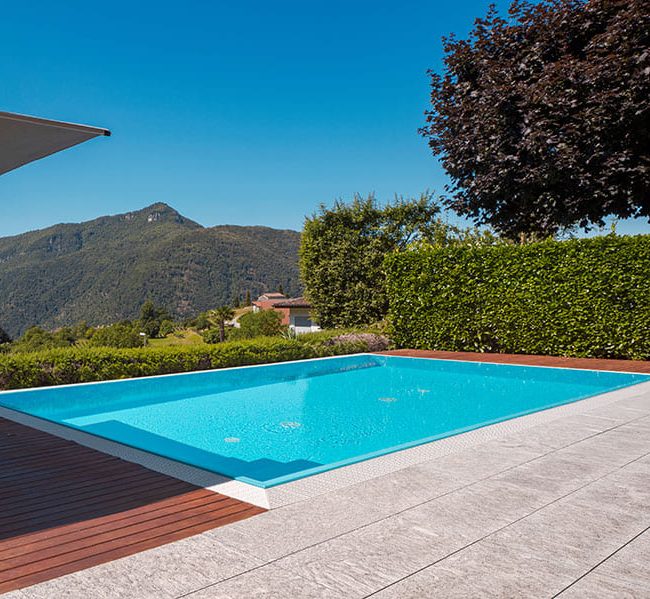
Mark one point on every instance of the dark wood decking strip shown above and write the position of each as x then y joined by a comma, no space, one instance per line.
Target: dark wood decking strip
65,507
641,366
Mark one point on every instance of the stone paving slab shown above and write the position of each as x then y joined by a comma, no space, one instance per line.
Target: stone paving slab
624,574
538,556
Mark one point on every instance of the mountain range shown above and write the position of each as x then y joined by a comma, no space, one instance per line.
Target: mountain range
101,271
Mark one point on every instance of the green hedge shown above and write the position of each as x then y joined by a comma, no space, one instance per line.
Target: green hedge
586,297
80,365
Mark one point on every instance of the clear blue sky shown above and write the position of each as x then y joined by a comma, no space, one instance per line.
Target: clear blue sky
232,112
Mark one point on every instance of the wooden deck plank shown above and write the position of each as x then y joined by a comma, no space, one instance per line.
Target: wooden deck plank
124,551
37,541
113,537
108,477
68,506
99,479
65,507
640,366
87,511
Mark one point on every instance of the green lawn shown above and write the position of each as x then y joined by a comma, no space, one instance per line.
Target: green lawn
185,337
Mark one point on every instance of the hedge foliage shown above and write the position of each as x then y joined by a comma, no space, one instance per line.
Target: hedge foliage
85,364
584,298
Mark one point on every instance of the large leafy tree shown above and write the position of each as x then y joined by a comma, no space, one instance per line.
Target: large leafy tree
343,249
542,120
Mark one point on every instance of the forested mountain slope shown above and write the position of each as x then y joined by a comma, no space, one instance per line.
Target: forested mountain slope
102,270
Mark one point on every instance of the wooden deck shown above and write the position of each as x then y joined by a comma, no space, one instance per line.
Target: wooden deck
590,363
65,507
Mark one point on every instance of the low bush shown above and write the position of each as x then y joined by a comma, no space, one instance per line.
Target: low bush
212,335
80,365
371,339
167,327
121,335
38,339
318,337
266,323
582,297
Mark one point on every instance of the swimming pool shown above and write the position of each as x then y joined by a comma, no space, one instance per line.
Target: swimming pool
267,425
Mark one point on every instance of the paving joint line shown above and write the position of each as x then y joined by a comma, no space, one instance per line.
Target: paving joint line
557,499
601,562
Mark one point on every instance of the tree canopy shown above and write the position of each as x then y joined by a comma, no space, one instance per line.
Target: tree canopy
222,315
36,339
151,318
542,119
343,250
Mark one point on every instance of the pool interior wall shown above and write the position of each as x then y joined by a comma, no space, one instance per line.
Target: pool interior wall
267,425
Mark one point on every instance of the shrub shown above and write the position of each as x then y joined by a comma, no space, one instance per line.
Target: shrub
587,297
122,334
212,335
79,365
267,323
167,327
201,322
372,340
372,336
37,339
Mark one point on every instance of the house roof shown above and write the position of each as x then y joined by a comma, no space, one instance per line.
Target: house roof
24,139
295,302
270,296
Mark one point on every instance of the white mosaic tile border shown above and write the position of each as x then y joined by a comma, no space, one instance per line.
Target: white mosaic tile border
334,479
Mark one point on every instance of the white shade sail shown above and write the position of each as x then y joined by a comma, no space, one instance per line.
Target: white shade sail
27,138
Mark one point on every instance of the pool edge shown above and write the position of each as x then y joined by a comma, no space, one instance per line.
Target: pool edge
333,479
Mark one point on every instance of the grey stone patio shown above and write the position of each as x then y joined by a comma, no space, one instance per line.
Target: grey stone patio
560,509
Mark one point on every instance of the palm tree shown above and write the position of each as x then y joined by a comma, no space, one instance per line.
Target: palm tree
221,315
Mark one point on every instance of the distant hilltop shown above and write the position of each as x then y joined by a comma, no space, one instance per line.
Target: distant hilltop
102,270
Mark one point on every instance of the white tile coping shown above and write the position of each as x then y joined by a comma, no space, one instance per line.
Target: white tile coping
331,480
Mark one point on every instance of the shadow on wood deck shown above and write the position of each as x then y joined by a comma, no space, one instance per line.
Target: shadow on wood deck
65,507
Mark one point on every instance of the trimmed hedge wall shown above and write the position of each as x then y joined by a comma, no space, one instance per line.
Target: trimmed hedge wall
584,297
80,365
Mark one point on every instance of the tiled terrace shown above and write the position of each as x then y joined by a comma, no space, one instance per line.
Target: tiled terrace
559,509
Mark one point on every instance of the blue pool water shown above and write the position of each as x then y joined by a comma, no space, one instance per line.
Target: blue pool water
267,425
